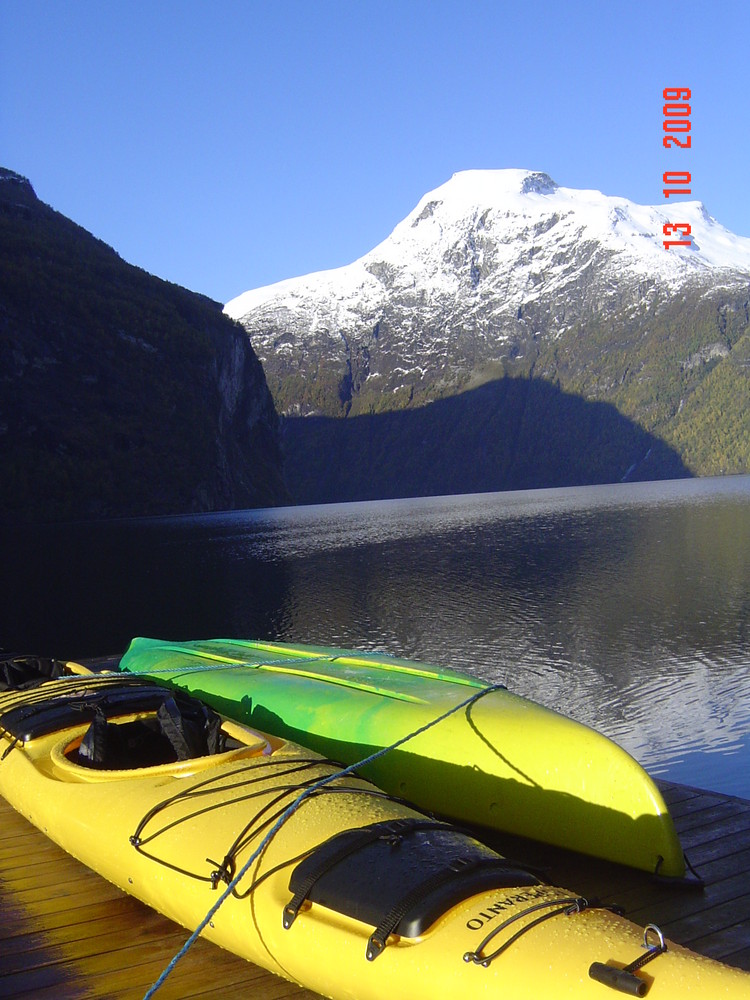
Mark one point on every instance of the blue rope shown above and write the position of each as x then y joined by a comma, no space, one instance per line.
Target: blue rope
291,810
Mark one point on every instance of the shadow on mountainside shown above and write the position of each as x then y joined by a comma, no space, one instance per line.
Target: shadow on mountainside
513,433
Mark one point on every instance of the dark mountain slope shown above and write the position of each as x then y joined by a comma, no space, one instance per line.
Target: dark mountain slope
514,433
121,394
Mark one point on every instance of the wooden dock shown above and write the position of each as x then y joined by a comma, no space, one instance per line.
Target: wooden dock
66,933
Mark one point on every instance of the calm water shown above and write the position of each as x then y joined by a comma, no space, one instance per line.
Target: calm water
626,607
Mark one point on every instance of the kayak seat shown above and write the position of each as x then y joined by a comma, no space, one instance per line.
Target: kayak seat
168,736
19,673
399,876
181,726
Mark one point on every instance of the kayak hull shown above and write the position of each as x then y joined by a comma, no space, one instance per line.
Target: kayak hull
159,832
505,762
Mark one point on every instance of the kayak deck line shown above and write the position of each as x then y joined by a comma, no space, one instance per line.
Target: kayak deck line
379,661
280,667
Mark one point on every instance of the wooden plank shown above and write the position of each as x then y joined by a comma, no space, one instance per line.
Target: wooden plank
679,906
717,842
106,917
15,853
112,970
83,938
740,958
716,874
687,800
722,923
63,896
674,794
713,814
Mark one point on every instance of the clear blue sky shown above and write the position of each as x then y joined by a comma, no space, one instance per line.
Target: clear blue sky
224,145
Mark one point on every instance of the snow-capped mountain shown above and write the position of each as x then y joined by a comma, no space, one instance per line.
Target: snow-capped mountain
557,339
483,268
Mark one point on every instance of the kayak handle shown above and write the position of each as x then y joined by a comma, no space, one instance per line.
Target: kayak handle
625,979
619,979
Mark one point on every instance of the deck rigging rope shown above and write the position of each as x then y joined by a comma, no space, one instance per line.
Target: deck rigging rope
225,871
291,809
555,907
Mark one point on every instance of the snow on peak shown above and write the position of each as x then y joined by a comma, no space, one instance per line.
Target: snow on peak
522,232
492,187
472,190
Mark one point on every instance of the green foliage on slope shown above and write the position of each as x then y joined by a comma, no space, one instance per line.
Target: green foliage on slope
654,391
679,370
712,429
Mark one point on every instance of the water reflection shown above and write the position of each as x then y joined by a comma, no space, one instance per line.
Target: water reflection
626,607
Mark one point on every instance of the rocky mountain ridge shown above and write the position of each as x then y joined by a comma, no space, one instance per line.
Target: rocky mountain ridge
504,274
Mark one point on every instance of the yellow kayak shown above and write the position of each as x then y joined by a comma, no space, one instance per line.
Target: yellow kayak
320,877
505,763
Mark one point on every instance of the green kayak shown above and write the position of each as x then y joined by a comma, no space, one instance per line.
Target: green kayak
502,762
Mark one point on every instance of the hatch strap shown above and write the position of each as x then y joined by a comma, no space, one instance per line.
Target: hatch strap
330,854
459,866
398,876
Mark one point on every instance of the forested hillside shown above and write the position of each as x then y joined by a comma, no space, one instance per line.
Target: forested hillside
121,394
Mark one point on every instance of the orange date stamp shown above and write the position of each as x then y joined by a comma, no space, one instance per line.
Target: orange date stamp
678,127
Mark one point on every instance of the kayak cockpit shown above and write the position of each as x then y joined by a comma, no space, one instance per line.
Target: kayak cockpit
113,725
67,763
